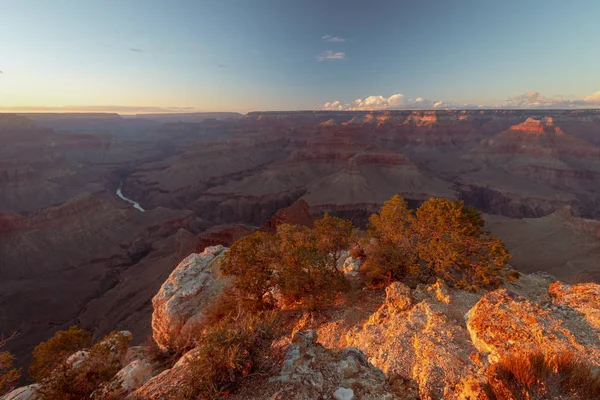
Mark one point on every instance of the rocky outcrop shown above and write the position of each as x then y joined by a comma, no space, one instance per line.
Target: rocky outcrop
419,336
127,380
296,214
443,340
23,393
180,302
310,371
503,322
224,235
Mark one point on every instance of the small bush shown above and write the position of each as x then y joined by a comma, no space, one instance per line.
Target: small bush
298,263
251,261
451,240
70,381
389,244
543,376
9,376
47,355
227,352
306,274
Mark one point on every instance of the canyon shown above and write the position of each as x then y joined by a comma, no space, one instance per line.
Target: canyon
73,252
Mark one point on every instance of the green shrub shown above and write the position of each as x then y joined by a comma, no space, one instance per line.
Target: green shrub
47,355
251,261
306,274
543,376
452,242
298,263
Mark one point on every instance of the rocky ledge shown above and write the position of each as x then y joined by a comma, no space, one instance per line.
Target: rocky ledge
430,342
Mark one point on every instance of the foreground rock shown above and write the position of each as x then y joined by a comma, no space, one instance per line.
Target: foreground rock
503,322
181,299
23,393
311,371
419,337
442,340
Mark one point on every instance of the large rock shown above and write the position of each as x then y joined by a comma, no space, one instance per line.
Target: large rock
128,379
180,302
163,384
418,338
503,322
583,298
310,371
23,393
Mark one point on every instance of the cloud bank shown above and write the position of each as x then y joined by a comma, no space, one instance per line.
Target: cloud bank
330,55
394,102
400,102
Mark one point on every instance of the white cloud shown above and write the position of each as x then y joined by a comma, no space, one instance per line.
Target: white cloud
536,100
526,100
593,98
394,102
333,39
330,55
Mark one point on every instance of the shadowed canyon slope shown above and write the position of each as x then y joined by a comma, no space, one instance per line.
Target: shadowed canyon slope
73,252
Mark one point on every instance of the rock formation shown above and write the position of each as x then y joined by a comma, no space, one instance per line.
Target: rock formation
180,301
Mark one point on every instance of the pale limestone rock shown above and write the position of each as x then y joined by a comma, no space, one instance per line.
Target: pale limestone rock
344,394
128,379
583,297
423,343
311,371
23,393
77,358
351,266
180,302
159,386
502,322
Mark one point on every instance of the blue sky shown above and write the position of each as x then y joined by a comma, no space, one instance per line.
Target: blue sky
280,55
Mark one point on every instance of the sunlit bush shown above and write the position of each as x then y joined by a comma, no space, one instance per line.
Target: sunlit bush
543,376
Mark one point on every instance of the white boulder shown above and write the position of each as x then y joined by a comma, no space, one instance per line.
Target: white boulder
23,393
180,302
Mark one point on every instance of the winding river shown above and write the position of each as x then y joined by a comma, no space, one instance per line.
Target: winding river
136,205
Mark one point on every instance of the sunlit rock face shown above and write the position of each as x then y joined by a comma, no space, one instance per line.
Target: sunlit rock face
180,302
441,340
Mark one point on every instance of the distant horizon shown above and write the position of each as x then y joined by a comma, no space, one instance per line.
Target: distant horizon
165,113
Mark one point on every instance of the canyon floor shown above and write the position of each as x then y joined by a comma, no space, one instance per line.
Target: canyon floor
73,252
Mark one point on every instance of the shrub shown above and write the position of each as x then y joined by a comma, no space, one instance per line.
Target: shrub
452,242
306,274
543,376
297,262
226,353
389,244
70,381
332,235
251,262
9,376
47,355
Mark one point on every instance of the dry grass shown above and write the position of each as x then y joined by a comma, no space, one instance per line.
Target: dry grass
226,353
535,375
80,380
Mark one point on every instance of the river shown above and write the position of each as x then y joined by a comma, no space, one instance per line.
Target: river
136,205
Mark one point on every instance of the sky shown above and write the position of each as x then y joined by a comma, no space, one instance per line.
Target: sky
223,55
